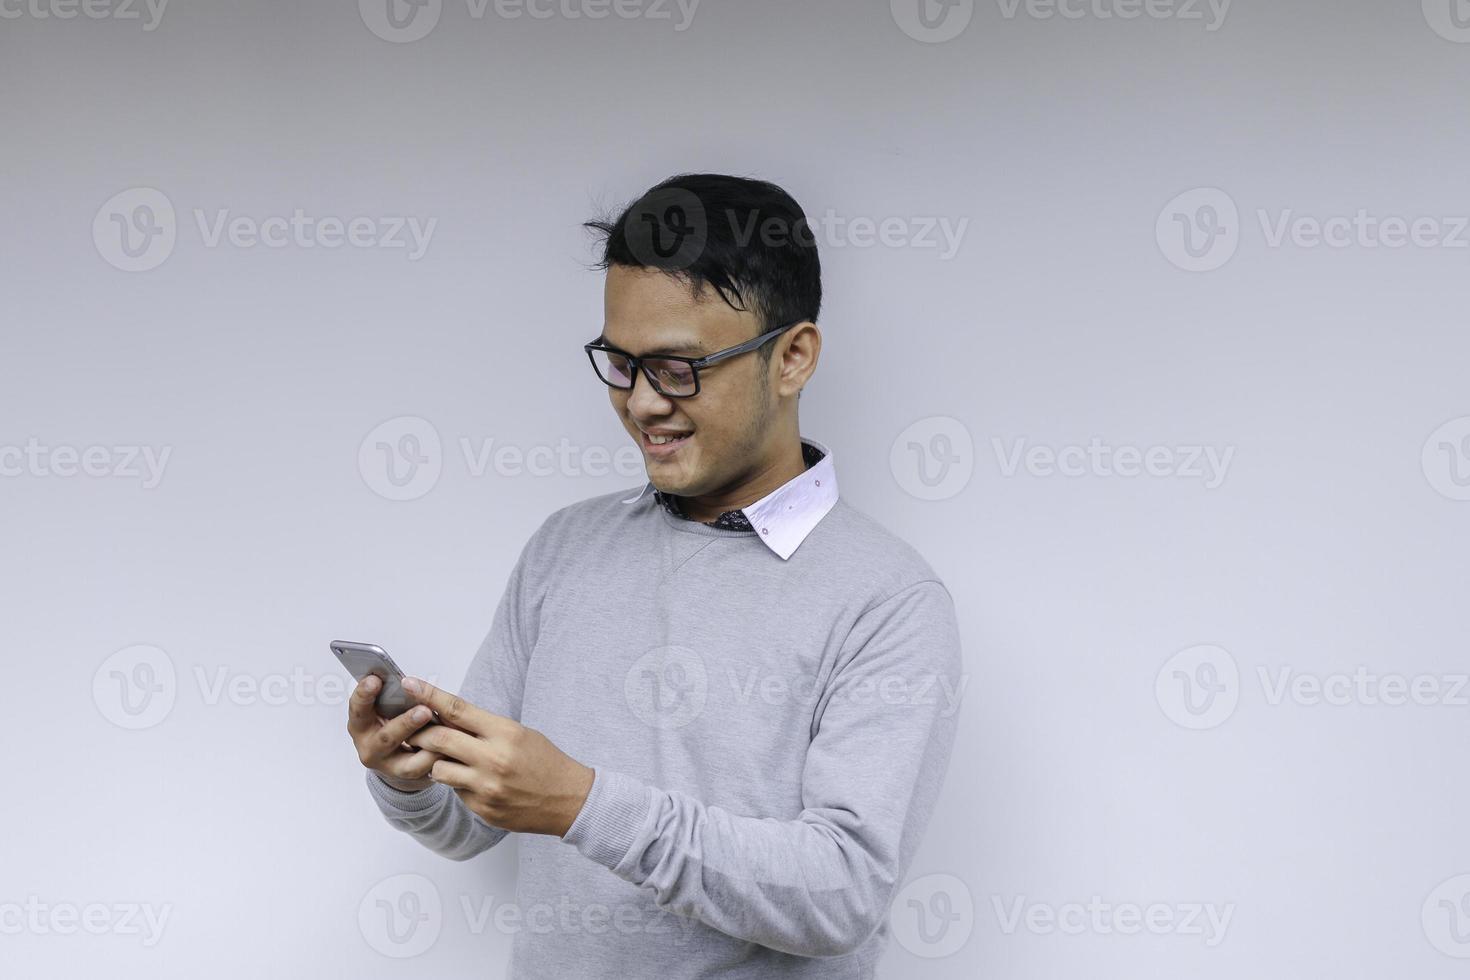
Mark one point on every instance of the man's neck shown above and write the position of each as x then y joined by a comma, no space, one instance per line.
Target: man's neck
782,469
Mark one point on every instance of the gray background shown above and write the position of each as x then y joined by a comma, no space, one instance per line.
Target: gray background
1086,770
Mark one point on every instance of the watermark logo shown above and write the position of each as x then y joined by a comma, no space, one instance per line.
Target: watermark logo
667,687
667,228
1450,19
402,458
932,21
1445,459
135,230
933,916
401,916
933,458
400,21
1446,917
136,687
1198,687
1199,230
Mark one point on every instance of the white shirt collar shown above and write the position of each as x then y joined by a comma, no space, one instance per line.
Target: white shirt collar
785,516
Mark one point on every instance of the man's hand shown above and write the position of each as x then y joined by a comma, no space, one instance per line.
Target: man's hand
511,775
380,741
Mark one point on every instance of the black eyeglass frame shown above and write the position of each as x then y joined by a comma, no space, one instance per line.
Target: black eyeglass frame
695,363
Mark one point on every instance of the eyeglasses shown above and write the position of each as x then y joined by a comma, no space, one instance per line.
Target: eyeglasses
671,376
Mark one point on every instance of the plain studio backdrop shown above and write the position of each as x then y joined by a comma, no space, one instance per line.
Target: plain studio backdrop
1145,323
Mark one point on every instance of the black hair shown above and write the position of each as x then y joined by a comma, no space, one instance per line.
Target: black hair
748,239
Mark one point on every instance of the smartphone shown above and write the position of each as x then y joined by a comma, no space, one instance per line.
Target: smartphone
362,659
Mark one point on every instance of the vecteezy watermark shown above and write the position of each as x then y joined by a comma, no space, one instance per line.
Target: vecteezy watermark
1445,459
37,918
669,227
1210,13
670,686
149,12
1450,19
568,916
404,915
138,686
34,459
1207,464
137,229
941,233
1200,230
402,21
296,687
1362,229
933,458
937,21
1200,687
1362,686
1445,917
403,458
1206,920
893,689
933,916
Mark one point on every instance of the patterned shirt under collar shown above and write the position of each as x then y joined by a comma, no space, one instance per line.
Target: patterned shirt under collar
734,520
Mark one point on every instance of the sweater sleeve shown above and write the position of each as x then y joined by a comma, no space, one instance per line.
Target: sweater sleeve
820,883
436,817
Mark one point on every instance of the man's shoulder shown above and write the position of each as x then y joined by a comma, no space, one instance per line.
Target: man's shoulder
599,509
852,542
572,522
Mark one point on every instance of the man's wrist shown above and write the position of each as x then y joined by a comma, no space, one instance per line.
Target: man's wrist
585,777
405,785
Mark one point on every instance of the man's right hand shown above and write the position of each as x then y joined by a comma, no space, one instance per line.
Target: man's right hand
381,741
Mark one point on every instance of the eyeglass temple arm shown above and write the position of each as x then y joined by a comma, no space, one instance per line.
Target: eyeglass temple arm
749,345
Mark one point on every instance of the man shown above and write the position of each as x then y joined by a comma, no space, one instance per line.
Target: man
712,708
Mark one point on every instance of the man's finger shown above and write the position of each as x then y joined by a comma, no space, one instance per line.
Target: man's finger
449,742
452,708
410,766
362,715
396,731
452,774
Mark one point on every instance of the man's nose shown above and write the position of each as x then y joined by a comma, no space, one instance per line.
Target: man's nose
644,399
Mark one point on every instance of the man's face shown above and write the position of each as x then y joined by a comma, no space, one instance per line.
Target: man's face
646,310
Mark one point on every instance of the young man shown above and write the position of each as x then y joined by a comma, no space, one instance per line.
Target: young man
714,707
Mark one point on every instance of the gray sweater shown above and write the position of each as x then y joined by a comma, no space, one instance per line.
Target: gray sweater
769,737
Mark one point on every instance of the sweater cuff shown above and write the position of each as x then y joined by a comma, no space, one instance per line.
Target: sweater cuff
399,801
612,817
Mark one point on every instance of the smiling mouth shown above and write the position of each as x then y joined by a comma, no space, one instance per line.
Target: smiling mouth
660,446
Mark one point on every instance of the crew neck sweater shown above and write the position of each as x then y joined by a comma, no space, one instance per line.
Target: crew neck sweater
768,737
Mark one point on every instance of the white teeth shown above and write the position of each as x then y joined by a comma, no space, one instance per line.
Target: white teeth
661,440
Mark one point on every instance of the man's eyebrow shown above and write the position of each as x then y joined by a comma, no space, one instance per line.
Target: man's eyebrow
688,348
